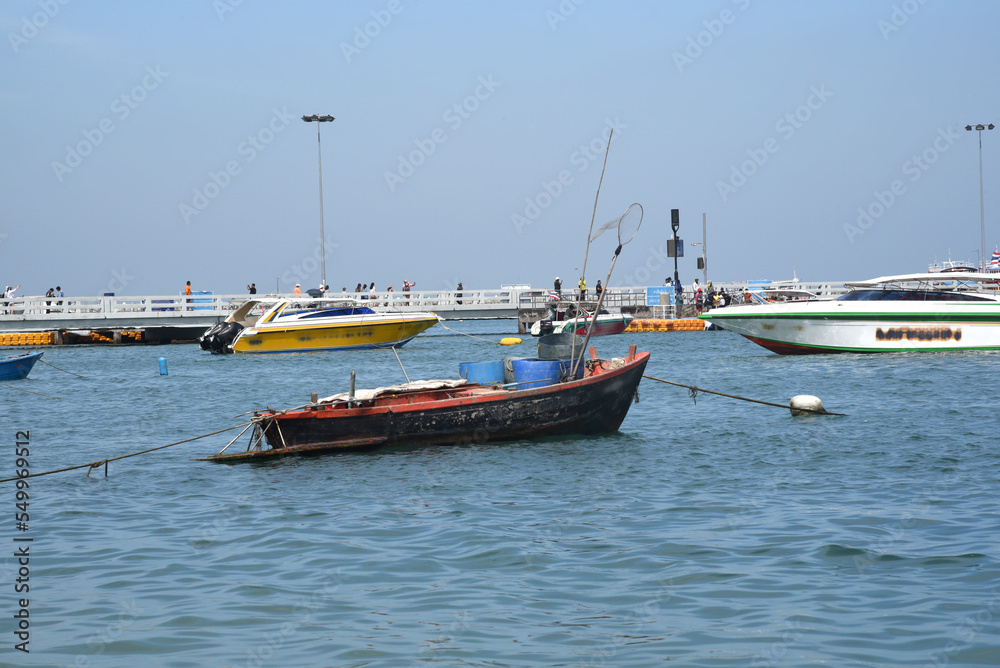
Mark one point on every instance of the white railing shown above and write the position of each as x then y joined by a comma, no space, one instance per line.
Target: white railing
501,303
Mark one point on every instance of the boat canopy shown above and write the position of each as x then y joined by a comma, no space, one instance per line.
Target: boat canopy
937,278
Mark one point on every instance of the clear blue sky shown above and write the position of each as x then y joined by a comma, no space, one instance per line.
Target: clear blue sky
150,143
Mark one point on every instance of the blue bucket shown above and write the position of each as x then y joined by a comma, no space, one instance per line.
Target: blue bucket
531,373
486,373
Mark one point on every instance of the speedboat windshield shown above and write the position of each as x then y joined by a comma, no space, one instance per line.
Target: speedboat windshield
898,295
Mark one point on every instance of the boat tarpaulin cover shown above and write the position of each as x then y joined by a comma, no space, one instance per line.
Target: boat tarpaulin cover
415,386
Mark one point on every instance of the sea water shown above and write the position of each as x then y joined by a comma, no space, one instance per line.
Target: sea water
707,532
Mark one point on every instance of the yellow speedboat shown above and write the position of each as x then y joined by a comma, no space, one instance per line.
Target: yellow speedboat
283,325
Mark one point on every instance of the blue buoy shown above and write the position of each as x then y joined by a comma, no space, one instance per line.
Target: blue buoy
163,366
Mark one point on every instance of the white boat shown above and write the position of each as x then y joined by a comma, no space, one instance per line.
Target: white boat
303,324
558,321
912,312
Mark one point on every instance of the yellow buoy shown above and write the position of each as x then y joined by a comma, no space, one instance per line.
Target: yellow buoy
510,341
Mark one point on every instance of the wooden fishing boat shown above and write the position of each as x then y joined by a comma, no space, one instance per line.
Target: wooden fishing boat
452,412
14,367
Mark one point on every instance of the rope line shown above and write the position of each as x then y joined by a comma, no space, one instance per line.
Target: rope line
30,391
464,334
104,462
63,370
693,391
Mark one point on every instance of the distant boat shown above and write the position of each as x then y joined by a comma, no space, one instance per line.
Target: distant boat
561,320
14,367
303,324
912,312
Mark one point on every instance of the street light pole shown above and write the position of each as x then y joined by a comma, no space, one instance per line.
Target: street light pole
322,234
704,247
982,211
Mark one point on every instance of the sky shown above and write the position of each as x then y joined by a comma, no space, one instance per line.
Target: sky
146,144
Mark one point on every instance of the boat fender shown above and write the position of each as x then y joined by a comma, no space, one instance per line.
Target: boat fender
510,341
807,402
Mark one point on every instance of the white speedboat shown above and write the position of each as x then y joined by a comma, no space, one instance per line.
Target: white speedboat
559,321
302,324
913,312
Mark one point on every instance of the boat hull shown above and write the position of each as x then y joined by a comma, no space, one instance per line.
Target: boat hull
607,324
831,326
16,367
372,332
595,404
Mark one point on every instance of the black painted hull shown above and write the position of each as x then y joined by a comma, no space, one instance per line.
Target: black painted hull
592,405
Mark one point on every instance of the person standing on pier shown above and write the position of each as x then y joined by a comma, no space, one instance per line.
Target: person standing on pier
582,284
187,294
458,295
252,288
558,287
599,289
297,290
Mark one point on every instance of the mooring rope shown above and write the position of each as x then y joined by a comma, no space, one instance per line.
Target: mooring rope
469,335
693,391
104,462
63,370
30,391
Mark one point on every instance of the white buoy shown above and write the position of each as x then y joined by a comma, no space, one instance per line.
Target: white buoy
805,404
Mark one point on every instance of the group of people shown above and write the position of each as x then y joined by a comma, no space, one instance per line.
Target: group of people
8,294
581,286
708,297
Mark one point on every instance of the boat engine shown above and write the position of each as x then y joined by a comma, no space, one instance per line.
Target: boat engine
219,338
545,327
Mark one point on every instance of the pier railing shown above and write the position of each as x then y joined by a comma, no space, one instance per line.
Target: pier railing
33,312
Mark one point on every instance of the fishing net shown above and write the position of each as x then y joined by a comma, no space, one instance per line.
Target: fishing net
626,224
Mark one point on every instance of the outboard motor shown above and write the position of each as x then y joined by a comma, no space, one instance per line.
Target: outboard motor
545,327
219,338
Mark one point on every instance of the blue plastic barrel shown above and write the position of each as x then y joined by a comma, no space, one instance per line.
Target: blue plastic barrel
508,367
531,373
486,373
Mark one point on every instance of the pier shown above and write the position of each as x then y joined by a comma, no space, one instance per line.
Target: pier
178,318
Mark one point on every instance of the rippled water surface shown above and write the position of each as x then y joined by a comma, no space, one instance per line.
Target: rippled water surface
712,532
